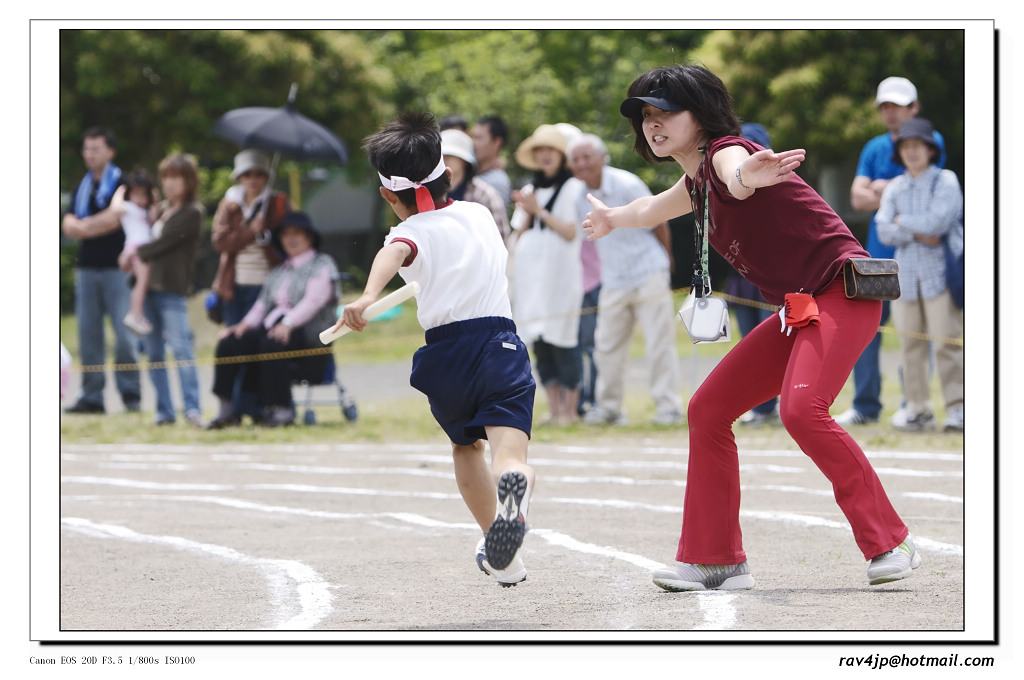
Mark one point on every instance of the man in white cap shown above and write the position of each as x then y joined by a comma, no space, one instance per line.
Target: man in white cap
897,102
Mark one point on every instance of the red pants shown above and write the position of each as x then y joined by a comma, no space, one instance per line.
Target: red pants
806,370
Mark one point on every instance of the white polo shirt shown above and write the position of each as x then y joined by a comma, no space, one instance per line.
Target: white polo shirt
458,260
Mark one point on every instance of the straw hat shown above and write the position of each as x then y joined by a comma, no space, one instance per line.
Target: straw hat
545,135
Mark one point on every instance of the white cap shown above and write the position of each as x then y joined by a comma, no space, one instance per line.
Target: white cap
457,143
899,91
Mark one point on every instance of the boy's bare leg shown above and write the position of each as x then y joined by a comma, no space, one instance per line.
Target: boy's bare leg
515,480
475,480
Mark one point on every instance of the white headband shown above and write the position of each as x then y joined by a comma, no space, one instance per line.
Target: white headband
396,183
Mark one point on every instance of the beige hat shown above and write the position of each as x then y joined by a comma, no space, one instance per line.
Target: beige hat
545,135
250,159
457,143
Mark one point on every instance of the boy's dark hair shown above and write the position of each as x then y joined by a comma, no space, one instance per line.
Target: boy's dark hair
409,146
140,179
97,131
698,90
497,127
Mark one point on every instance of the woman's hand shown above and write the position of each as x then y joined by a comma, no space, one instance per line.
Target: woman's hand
280,332
598,223
766,168
527,201
238,330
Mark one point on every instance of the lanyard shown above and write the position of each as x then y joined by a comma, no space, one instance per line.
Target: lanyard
701,274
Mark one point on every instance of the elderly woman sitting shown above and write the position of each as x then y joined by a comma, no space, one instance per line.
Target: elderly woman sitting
298,300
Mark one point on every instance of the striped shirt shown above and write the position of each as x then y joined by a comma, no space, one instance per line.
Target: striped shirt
930,204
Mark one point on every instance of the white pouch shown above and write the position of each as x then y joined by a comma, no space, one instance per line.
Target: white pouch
706,319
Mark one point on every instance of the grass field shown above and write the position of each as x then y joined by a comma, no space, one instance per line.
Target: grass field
395,340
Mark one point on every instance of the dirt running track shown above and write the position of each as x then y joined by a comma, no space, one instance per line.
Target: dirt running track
367,539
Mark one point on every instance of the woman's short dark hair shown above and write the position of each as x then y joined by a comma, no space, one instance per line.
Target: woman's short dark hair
185,166
409,146
694,87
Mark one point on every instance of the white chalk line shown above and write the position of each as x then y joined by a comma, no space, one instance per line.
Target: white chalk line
717,608
242,451
283,576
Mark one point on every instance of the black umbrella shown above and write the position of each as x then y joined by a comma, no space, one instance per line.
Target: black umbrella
283,131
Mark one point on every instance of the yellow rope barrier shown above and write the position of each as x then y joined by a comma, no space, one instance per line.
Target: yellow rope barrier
292,354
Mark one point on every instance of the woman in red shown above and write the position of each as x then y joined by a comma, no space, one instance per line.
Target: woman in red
780,235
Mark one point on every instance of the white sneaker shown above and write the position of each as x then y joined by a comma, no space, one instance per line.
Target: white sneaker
852,416
599,416
954,419
668,419
514,573
686,577
899,419
917,422
505,535
896,564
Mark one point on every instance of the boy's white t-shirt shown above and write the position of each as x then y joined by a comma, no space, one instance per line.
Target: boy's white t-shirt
459,264
135,222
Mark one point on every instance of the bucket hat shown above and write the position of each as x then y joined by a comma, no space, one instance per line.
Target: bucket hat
545,135
915,128
250,159
295,219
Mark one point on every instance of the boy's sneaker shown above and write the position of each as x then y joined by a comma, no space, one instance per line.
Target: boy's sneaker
137,324
898,563
954,419
505,535
917,422
685,577
853,417
514,573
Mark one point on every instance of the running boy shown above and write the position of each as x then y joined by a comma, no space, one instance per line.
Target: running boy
474,369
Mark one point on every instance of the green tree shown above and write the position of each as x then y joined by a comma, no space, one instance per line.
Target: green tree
815,89
160,90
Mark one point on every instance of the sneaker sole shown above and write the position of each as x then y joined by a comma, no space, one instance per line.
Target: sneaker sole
741,582
504,580
915,562
505,535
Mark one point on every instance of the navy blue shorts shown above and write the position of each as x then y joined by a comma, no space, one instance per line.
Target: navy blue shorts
475,373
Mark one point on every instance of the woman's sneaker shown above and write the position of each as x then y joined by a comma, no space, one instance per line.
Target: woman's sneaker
898,563
685,577
514,573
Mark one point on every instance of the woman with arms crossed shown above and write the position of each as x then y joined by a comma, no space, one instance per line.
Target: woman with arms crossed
779,234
